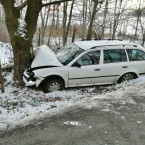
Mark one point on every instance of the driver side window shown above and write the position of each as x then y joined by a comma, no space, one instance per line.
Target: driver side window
90,58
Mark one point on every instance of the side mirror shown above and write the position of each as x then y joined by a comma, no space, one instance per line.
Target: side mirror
76,64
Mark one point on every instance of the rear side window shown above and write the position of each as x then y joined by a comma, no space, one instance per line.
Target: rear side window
135,55
90,58
114,56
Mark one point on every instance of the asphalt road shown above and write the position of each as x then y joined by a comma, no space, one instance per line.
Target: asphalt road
123,125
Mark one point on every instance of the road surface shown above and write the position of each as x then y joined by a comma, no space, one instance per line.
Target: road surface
123,124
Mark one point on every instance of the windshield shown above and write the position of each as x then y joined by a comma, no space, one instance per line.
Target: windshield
67,53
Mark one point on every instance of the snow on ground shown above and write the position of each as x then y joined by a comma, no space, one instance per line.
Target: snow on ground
20,106
6,54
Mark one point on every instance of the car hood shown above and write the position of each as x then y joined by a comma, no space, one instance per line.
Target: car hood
44,57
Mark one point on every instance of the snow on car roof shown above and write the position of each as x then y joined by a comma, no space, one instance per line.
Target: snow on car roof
94,43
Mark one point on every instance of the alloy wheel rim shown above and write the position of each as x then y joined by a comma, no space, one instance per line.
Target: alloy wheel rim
54,87
127,77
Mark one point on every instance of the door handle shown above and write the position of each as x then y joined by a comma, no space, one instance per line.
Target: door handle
125,67
97,69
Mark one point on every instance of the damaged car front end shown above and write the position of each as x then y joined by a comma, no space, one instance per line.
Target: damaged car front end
28,77
44,62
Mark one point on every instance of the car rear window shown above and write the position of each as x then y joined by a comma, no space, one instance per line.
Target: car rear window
115,56
135,55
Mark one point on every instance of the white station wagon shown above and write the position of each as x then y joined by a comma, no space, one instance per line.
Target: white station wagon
85,63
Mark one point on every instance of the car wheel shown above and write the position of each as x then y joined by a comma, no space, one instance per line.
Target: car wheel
52,86
127,77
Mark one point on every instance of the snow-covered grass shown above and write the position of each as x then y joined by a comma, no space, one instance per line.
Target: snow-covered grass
21,105
6,54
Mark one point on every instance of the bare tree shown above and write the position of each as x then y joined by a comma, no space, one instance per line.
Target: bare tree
138,12
104,19
52,25
65,5
69,22
89,33
44,20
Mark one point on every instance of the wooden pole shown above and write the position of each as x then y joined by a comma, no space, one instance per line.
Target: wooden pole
1,79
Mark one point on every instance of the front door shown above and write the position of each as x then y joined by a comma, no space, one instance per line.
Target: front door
88,72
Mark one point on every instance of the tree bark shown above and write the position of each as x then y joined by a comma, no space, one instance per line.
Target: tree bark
89,34
84,14
69,22
104,19
137,21
64,21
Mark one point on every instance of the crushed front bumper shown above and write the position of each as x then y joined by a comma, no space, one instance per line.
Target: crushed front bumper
27,80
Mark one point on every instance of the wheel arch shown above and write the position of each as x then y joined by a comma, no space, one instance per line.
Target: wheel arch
51,77
134,73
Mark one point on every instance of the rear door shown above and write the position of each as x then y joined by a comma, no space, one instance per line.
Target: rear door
115,63
137,61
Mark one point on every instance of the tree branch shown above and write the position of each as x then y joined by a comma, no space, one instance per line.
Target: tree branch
22,5
55,2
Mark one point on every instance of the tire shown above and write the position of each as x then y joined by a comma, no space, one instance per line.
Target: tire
127,77
52,86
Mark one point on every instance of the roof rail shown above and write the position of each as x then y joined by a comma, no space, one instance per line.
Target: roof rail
101,39
113,39
135,45
115,45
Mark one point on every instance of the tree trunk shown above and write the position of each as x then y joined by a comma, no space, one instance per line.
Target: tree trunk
117,16
74,34
44,20
21,33
89,34
52,26
137,23
115,21
69,22
22,58
104,19
64,21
